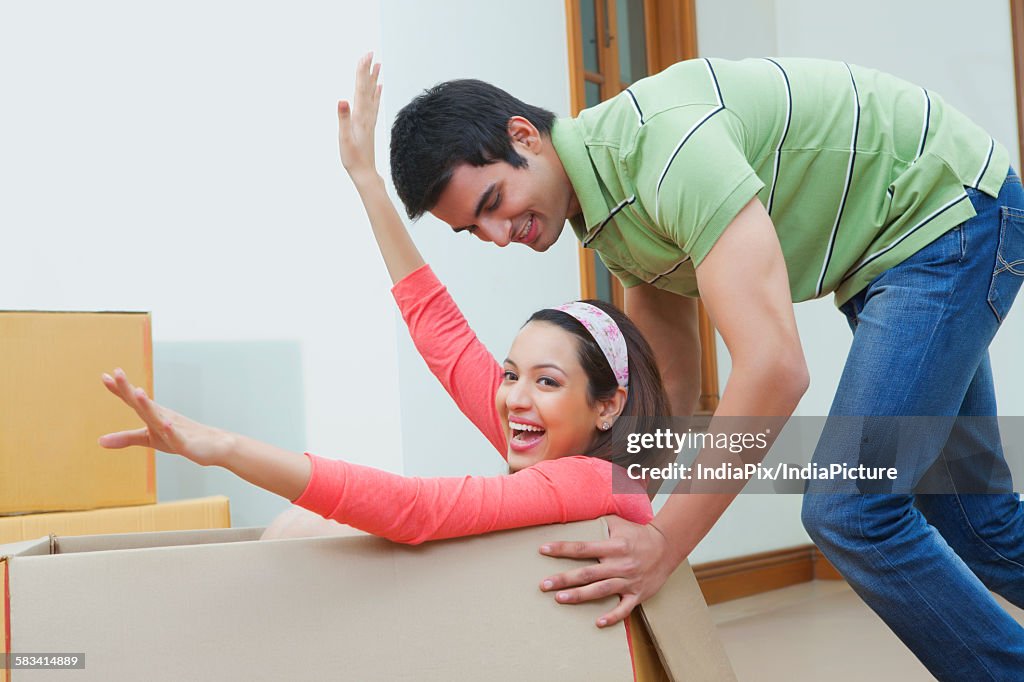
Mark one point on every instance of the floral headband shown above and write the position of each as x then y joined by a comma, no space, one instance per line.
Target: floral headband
604,330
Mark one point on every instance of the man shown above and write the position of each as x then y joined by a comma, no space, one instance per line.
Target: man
752,185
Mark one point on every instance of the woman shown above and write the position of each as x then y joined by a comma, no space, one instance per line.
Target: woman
552,409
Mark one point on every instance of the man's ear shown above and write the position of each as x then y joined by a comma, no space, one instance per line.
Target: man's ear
524,133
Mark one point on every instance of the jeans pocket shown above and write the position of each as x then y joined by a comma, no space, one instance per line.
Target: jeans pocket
1009,267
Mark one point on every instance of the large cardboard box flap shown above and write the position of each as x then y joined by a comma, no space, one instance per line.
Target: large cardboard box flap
689,643
53,408
205,512
219,605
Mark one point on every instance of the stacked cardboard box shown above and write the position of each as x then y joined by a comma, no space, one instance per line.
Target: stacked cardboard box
207,512
220,605
53,408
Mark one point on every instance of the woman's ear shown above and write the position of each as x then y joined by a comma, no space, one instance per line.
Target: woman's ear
610,409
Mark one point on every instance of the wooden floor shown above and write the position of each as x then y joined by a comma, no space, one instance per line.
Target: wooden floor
815,631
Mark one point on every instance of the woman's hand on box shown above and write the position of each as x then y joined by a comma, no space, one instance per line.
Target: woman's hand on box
165,429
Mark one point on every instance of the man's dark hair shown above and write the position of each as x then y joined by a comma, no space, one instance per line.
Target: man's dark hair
455,122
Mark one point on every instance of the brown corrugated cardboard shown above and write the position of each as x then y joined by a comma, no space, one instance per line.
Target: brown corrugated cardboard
53,407
687,643
206,512
218,605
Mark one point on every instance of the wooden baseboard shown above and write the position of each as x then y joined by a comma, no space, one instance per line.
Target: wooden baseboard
755,573
823,568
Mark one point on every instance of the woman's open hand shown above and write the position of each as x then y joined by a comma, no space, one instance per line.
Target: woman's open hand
357,120
165,429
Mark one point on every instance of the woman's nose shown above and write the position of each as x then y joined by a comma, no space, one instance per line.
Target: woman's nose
518,396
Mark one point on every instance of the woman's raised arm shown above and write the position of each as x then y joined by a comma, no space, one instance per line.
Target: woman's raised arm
468,372
356,122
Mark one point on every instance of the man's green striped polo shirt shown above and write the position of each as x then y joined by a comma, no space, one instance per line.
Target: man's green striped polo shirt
857,169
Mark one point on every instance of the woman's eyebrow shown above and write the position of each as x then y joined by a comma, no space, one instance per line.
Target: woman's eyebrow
551,365
542,365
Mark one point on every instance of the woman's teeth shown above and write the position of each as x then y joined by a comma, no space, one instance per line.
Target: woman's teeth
525,436
526,433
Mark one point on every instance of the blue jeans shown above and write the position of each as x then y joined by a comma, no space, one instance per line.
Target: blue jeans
926,563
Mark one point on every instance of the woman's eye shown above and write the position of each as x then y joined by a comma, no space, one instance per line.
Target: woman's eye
509,375
548,381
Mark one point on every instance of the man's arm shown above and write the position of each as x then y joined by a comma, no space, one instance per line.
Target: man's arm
669,323
745,288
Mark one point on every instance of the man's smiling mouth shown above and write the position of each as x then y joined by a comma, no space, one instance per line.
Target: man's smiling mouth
528,231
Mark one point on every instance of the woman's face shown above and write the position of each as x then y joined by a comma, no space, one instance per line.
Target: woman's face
542,400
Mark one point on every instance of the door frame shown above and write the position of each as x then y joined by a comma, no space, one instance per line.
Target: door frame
671,32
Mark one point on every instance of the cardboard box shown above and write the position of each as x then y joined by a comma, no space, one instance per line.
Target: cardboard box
53,408
202,513
219,605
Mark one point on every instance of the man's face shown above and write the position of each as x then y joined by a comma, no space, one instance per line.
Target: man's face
502,204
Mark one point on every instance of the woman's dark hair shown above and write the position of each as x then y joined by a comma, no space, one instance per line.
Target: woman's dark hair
455,122
646,401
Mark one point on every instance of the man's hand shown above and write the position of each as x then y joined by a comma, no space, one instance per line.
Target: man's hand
634,563
356,121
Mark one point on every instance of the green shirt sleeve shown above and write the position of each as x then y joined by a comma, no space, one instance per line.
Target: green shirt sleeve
693,176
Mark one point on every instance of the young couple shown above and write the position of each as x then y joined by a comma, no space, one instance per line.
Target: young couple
752,185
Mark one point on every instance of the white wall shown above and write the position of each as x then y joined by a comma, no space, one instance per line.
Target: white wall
969,62
524,52
734,29
181,158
